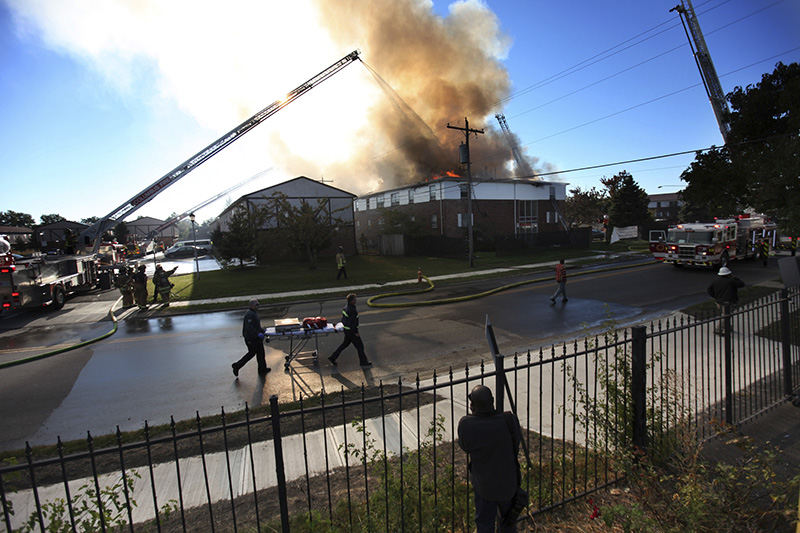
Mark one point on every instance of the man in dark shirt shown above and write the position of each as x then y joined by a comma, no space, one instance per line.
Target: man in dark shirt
253,335
351,335
492,440
725,291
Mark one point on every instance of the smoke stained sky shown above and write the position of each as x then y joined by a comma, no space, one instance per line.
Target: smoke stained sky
99,99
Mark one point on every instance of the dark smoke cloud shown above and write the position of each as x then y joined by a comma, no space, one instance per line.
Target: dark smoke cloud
433,70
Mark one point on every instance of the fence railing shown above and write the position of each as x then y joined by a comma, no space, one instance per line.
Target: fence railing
386,458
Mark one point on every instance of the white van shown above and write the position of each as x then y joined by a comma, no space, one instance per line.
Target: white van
205,244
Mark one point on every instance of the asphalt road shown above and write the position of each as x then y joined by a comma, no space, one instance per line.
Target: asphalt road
153,368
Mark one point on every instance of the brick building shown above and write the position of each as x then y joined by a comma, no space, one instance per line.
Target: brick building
501,208
665,207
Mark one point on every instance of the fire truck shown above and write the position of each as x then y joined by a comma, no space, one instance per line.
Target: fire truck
716,243
42,280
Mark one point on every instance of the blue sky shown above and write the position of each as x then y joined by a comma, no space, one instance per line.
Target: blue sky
97,104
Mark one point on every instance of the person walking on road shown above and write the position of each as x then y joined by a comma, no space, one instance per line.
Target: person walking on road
561,279
725,291
341,261
492,441
351,335
162,284
253,335
140,287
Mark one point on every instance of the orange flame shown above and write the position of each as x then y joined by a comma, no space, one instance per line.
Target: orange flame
452,174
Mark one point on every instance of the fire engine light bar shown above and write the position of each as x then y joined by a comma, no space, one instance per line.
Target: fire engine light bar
5,271
15,294
6,304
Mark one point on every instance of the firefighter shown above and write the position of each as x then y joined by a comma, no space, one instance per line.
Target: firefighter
725,291
793,245
124,282
162,284
763,248
351,335
253,335
341,261
140,287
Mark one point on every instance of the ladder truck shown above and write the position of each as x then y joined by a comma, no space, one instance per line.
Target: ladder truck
171,177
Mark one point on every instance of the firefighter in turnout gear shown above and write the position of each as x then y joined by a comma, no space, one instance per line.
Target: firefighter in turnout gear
351,335
140,287
124,282
763,250
162,284
341,261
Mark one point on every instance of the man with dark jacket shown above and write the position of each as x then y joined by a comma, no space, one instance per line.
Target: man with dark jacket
492,440
725,291
351,335
140,287
253,335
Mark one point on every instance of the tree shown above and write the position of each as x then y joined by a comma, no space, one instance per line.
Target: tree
90,220
306,227
761,162
239,241
13,218
585,207
628,205
121,232
395,222
703,195
50,219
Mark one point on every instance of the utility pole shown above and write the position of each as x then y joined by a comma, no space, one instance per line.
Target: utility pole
704,64
465,159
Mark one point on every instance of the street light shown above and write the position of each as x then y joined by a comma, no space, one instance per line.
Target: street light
194,243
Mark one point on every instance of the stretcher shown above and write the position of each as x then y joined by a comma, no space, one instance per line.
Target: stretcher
299,338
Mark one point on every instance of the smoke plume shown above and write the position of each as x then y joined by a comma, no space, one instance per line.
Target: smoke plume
433,71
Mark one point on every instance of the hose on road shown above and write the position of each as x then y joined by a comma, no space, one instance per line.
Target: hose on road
51,353
371,301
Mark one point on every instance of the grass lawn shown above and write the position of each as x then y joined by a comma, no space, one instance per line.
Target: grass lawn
361,269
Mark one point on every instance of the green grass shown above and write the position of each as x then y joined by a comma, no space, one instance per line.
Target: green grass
361,269
746,295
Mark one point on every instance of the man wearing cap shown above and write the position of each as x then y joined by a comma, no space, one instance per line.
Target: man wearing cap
253,335
492,440
725,290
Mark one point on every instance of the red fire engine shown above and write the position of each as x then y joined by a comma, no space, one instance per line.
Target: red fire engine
716,243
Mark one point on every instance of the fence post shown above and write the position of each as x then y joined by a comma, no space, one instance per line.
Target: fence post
499,367
786,343
276,439
639,386
728,369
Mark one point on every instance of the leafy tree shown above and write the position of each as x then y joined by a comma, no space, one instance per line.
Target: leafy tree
703,196
50,219
121,232
628,205
90,220
585,207
761,162
13,218
306,227
239,241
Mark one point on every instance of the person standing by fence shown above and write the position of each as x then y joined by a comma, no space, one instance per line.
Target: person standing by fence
725,291
253,335
492,441
561,279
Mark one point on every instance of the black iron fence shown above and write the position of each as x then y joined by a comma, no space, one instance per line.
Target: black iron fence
386,458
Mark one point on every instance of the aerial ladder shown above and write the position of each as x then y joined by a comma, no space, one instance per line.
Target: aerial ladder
704,64
150,237
146,195
524,167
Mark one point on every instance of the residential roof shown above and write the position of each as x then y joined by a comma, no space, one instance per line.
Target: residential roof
62,224
535,183
145,221
14,230
301,181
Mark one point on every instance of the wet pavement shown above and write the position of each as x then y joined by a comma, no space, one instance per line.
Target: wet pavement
156,367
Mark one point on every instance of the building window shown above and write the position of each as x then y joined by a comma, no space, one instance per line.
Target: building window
433,191
547,218
381,201
527,216
462,220
434,221
411,196
552,193
463,188
395,198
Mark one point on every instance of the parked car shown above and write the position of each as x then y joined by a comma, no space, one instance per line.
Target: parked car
184,250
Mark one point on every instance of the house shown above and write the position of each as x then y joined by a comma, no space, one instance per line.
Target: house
139,229
665,207
339,208
17,235
54,236
505,208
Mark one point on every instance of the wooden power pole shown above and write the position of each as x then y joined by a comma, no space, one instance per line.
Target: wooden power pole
465,159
